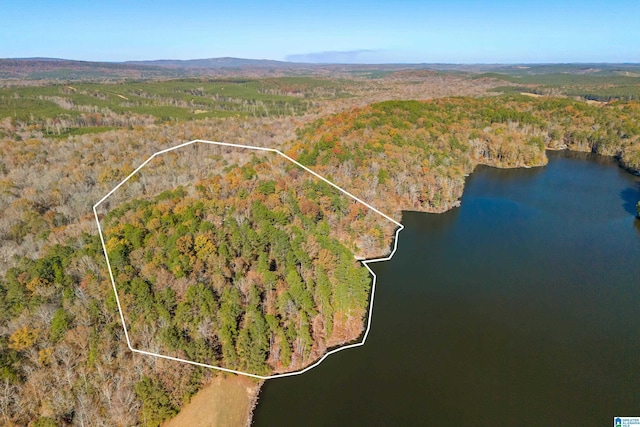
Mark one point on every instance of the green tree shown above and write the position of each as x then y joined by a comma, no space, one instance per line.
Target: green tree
301,296
228,315
353,284
199,304
144,300
59,325
285,349
267,187
304,335
260,337
156,404
323,298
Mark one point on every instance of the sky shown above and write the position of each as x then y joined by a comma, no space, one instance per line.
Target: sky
345,31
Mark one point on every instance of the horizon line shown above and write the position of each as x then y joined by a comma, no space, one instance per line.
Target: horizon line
284,62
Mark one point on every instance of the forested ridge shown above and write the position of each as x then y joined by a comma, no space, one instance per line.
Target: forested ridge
415,155
63,359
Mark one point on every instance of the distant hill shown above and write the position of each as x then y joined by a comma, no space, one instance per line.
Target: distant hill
217,63
63,69
54,69
66,70
595,69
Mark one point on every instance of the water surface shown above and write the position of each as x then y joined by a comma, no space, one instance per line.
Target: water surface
518,308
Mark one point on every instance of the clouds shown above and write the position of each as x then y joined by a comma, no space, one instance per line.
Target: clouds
360,56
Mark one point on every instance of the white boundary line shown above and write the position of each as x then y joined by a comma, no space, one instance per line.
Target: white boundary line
263,377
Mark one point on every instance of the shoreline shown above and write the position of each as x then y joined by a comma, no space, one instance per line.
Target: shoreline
254,399
254,403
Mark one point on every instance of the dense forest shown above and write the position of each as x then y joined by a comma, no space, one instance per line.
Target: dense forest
418,153
251,269
269,290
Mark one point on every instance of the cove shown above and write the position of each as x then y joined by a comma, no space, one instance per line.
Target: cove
521,307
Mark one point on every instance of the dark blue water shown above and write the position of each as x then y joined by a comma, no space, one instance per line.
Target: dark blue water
519,308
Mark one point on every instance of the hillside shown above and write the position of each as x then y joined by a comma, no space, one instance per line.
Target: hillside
411,155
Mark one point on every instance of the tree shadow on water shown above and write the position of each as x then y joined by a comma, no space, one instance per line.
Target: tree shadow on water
630,197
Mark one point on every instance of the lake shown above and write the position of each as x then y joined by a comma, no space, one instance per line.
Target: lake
521,307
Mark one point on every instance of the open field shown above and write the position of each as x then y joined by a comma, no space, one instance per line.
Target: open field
226,401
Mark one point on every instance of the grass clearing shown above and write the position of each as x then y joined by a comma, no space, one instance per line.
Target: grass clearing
227,401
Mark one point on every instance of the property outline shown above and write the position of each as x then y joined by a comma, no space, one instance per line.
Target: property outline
262,377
